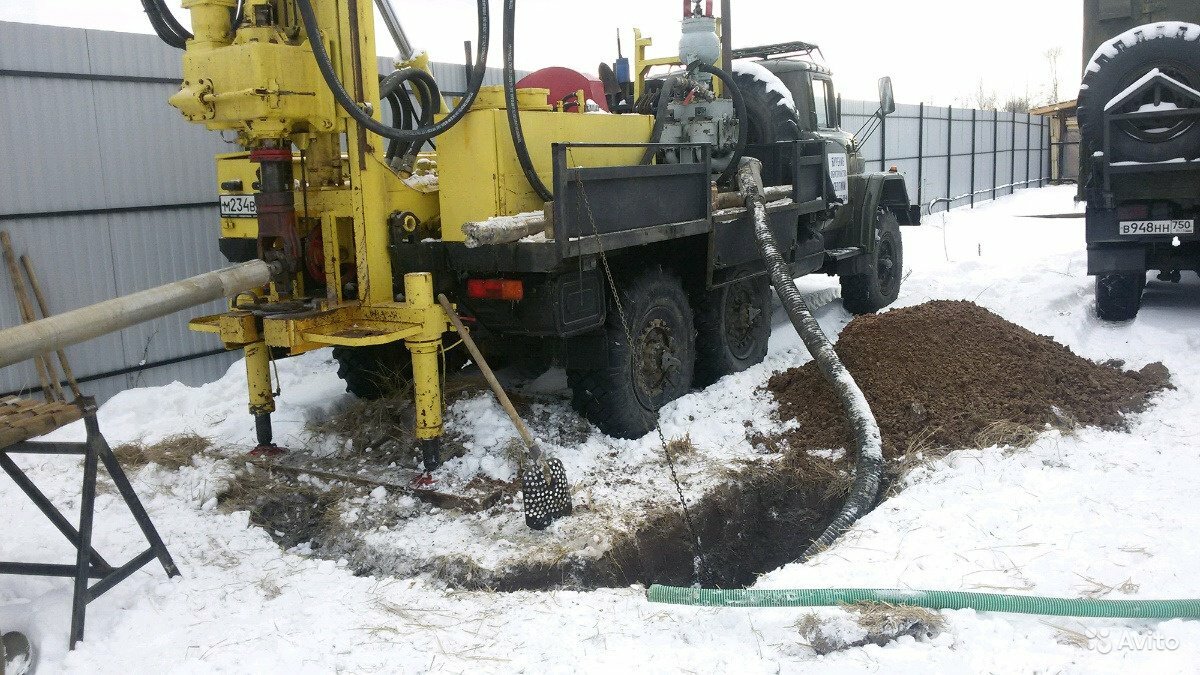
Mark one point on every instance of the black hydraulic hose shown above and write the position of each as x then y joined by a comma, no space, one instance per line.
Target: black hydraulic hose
510,102
393,90
325,65
660,114
168,28
163,29
739,109
869,463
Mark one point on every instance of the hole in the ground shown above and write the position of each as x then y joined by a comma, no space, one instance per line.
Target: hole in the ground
760,519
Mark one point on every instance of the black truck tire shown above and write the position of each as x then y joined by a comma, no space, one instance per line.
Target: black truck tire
374,372
623,399
380,371
870,291
1156,142
1119,295
770,121
733,327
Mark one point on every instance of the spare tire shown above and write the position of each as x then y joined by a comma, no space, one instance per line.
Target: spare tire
771,120
1162,46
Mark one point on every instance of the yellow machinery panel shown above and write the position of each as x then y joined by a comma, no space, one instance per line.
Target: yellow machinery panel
264,89
478,173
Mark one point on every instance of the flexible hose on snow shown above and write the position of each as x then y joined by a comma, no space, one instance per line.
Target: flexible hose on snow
982,602
869,443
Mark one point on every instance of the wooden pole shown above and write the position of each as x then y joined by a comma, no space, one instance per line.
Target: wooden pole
46,373
45,309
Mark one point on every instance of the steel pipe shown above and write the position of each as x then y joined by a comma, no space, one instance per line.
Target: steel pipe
44,336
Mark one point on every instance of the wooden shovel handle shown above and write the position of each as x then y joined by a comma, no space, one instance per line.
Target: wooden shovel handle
535,452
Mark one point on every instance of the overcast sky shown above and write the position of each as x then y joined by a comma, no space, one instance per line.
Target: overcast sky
937,51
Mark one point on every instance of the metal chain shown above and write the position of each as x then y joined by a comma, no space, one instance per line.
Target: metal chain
687,514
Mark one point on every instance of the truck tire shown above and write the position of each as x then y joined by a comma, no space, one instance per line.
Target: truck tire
733,327
374,372
770,121
872,290
1142,142
1119,295
623,399
380,371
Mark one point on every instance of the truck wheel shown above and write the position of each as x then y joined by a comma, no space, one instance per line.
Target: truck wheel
624,398
1155,141
374,372
733,326
871,291
380,371
1119,295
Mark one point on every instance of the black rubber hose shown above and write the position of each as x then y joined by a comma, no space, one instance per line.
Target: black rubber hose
510,102
163,29
393,90
739,109
325,65
660,114
868,441
168,28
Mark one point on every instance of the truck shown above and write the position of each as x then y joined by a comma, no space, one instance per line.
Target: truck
592,223
1139,119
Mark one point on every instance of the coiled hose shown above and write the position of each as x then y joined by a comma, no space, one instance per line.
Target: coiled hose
347,102
867,439
392,89
982,602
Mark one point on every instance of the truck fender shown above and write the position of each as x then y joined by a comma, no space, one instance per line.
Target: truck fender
870,192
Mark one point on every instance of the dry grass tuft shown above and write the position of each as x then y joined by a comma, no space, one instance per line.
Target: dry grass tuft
886,618
866,623
681,447
1006,434
171,453
368,423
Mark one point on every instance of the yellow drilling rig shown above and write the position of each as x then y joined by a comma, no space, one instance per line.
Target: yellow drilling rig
595,223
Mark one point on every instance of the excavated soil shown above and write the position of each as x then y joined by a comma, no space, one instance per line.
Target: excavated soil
951,374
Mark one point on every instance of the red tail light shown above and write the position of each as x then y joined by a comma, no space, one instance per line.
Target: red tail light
496,289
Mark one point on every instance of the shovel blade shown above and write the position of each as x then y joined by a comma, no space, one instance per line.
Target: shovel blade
546,493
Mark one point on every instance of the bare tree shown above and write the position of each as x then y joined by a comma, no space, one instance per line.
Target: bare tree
985,99
1017,104
1052,55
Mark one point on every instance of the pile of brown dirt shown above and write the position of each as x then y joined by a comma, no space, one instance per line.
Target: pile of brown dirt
951,374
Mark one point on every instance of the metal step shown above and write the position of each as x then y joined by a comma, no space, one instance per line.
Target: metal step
843,253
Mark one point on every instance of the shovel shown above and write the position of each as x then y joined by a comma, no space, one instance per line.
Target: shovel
543,481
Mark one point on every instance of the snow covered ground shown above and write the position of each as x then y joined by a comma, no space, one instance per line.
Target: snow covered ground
1094,513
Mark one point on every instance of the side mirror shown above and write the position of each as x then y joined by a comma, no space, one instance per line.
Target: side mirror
887,100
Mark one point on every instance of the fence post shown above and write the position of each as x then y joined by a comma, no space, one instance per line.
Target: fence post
1012,147
920,152
1044,129
974,120
949,156
995,150
1028,145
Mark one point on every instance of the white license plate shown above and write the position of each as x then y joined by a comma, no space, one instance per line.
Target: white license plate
1134,228
242,206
